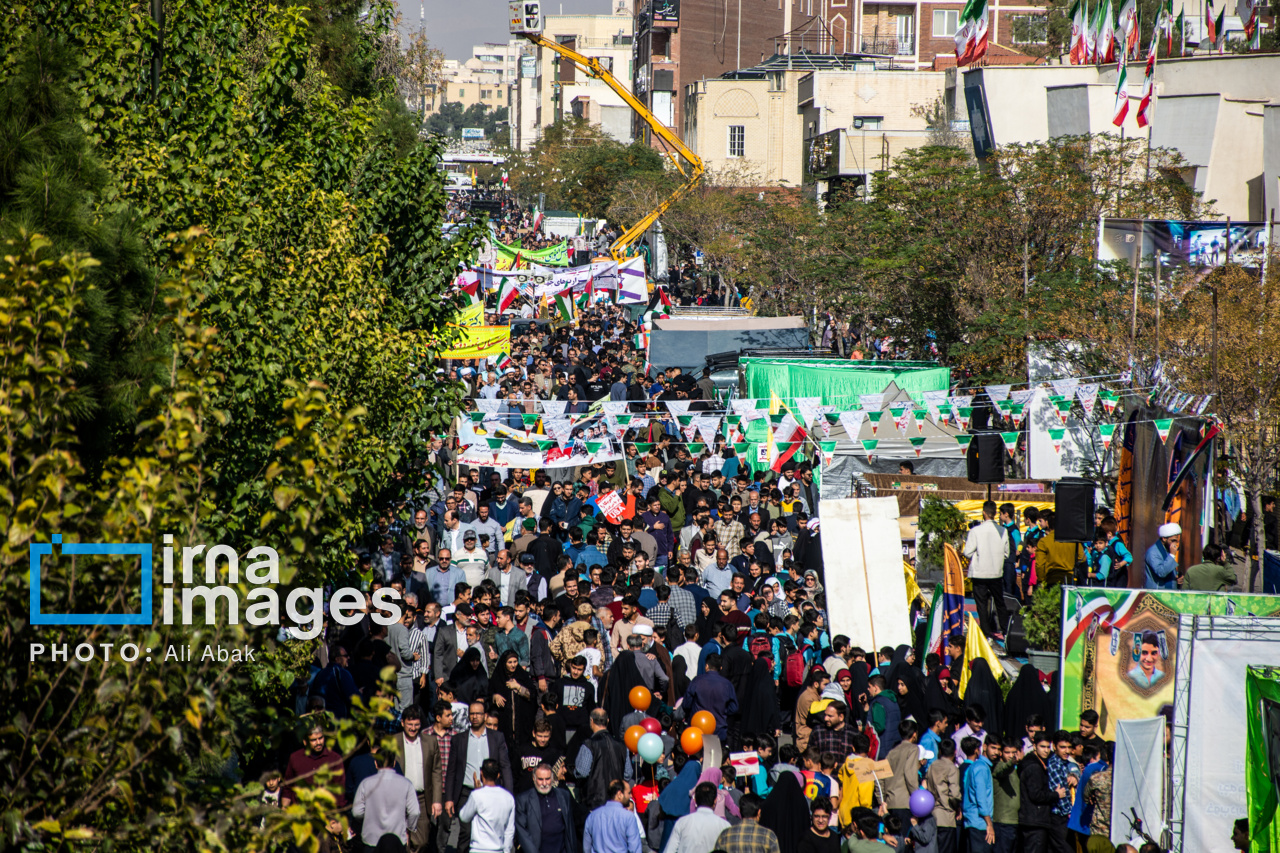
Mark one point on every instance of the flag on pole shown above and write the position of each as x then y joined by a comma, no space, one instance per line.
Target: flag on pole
1105,50
507,293
1249,17
537,219
946,614
1091,34
1210,33
1122,92
782,455
1220,29
1148,79
1167,13
563,304
1128,27
976,646
1079,13
971,37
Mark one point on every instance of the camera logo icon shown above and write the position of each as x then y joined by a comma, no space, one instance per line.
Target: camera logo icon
142,551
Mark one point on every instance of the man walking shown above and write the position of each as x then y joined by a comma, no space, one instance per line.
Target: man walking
987,546
420,764
544,816
978,799
388,803
612,828
467,753
490,813
698,831
748,836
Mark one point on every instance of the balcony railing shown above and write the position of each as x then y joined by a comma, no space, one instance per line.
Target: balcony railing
889,47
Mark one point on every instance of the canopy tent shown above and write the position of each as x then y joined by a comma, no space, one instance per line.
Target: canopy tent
839,383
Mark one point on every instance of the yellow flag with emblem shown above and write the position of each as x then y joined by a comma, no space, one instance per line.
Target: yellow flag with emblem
976,646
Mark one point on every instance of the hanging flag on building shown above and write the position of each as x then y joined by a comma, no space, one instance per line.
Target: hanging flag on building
1128,27
1148,78
971,37
1105,50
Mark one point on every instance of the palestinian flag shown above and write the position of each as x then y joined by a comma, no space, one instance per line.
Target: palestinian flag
1079,12
507,293
971,37
1122,93
662,296
563,305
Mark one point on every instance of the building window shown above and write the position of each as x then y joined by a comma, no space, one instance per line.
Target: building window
737,140
484,94
868,122
1030,29
945,23
462,93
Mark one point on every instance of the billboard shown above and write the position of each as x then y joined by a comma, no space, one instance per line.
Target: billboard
822,160
1119,647
473,133
1201,245
666,11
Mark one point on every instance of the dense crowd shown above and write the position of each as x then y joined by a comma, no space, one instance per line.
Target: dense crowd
662,676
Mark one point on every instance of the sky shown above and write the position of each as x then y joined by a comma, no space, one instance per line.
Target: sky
455,25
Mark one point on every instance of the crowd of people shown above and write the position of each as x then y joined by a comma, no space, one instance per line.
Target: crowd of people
663,677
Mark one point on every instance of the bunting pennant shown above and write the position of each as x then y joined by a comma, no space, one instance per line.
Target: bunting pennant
1010,440
852,423
933,401
1019,413
1064,409
1110,400
1022,396
963,415
1087,394
920,415
828,449
874,417
1107,431
964,441
917,444
1163,425
998,393
868,445
1064,388
871,402
1055,436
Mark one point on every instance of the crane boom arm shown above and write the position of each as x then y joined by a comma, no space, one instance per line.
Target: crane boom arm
592,67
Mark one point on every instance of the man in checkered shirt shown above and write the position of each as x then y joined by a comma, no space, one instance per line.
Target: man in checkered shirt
681,600
419,635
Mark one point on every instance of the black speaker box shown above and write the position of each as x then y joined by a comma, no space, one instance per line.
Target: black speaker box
1015,639
1073,510
986,458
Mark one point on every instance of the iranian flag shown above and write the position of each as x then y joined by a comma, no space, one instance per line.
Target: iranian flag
507,293
1169,25
971,37
1220,29
1128,27
1122,93
1079,24
1091,34
1252,32
1105,50
504,362
1148,80
1210,31
537,218
780,456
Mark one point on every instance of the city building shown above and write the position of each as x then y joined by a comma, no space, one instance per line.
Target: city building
549,87
1221,112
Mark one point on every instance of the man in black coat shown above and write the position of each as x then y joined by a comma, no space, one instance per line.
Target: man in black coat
545,821
470,749
1035,809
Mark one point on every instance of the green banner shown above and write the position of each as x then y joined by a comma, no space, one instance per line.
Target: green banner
1262,699
552,256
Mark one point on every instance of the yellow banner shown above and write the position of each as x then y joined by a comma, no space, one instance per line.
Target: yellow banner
480,342
472,315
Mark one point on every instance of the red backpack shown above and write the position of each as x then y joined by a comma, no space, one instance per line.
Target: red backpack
760,644
794,669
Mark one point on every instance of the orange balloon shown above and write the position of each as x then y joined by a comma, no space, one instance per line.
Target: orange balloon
632,737
691,741
640,698
706,721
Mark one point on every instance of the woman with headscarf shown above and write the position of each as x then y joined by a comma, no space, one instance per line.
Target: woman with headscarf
1026,697
469,677
679,676
908,683
708,622
786,811
938,696
984,690
618,682
760,714
725,806
860,672
514,693
674,799
812,585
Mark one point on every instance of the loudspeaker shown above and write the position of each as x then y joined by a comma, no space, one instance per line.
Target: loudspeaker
1073,510
1015,639
986,458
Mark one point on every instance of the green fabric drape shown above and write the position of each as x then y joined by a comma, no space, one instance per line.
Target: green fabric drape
1260,682
839,383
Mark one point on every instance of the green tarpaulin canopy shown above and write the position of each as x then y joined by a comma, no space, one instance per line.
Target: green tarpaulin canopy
1261,690
839,383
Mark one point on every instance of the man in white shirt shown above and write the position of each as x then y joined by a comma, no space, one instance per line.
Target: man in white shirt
986,546
471,559
388,803
491,812
690,650
698,832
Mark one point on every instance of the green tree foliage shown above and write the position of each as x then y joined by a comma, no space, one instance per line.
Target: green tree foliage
255,381
580,168
451,118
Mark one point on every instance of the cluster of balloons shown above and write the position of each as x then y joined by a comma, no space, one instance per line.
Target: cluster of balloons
644,739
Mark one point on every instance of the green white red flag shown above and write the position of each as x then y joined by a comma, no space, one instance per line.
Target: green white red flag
971,37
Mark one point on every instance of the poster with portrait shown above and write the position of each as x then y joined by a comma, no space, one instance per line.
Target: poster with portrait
1200,245
1119,647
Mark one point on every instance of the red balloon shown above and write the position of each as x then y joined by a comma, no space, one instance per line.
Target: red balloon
640,697
651,725
691,741
632,737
